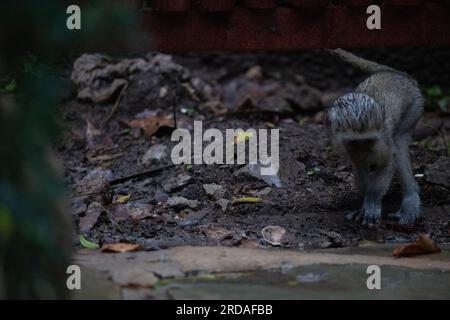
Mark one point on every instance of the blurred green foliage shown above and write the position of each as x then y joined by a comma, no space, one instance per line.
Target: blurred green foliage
35,228
437,99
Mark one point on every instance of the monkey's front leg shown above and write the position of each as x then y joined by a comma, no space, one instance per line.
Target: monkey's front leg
376,181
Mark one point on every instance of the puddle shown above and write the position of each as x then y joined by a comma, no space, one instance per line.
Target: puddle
316,282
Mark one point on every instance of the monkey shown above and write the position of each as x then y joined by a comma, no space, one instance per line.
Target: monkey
371,127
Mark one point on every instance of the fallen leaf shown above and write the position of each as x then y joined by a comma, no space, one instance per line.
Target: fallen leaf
122,199
93,212
88,244
274,235
120,247
218,234
247,200
423,245
150,125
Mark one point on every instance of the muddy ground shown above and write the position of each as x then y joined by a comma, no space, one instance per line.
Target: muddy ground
103,149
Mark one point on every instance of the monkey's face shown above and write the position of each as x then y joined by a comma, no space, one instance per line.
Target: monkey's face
371,150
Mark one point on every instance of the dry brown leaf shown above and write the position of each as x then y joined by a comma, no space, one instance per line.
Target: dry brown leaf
120,247
423,245
218,234
151,125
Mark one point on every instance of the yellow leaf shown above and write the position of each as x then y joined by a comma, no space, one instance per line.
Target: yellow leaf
242,137
247,200
122,199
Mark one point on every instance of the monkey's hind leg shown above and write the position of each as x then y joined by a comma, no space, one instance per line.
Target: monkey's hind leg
410,208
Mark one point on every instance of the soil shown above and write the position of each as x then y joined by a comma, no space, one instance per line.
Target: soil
317,189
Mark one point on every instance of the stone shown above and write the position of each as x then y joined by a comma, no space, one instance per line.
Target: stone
254,170
182,203
223,204
214,190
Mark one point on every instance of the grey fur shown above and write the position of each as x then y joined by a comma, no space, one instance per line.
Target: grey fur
372,126
361,63
356,112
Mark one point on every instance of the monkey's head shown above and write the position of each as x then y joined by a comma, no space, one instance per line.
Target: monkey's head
355,113
356,122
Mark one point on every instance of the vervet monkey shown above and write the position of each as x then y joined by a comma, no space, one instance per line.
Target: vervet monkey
372,127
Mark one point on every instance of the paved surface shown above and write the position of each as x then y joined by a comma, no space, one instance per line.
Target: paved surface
240,273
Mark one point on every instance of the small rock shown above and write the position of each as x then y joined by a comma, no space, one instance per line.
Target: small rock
182,203
176,183
155,153
223,203
214,190
254,170
218,233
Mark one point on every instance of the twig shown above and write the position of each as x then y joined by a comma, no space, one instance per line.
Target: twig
123,179
140,174
116,104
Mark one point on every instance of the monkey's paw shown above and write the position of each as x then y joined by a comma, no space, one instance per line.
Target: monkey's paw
409,213
368,218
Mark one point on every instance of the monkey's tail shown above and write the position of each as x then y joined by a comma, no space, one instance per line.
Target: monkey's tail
361,63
